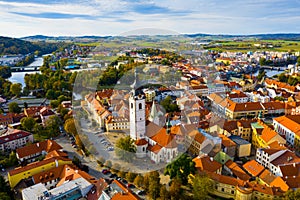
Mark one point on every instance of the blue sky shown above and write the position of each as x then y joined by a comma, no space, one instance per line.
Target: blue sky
113,17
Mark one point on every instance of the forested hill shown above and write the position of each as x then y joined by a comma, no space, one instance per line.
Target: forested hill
17,46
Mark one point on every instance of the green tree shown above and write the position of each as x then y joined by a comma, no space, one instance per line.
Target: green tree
181,168
13,107
292,194
152,184
298,60
54,103
16,89
28,123
70,126
51,94
175,189
261,75
164,193
138,181
130,176
168,105
124,148
201,186
262,61
282,77
5,191
52,125
76,161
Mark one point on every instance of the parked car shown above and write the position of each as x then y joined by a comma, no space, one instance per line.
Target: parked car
110,148
105,171
141,192
129,185
113,176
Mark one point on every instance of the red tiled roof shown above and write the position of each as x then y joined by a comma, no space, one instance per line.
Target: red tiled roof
141,142
237,171
47,146
253,168
35,165
206,163
15,135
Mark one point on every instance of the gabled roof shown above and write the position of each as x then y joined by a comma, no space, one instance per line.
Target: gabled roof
286,158
290,170
124,194
237,171
35,165
15,135
253,168
249,106
47,146
164,139
206,163
267,177
291,122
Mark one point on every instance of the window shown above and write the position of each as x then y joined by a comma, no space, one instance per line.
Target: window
131,105
232,191
140,106
222,189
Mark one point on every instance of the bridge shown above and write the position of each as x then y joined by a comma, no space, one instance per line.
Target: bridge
274,68
25,68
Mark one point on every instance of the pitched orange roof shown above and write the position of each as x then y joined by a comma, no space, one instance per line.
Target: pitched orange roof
286,158
206,163
290,170
155,149
237,171
249,106
126,194
35,165
291,122
47,146
253,168
226,142
164,139
267,177
226,179
279,182
141,142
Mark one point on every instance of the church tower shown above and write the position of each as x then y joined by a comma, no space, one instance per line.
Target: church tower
137,107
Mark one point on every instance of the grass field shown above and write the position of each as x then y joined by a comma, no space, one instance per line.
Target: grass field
244,46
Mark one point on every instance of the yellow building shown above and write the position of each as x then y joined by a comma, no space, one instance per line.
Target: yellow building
263,135
20,173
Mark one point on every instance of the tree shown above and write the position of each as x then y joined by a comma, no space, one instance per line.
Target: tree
175,189
154,184
130,176
51,94
262,61
52,125
138,181
54,103
76,161
16,89
261,75
101,161
5,191
70,127
292,194
28,123
125,148
298,60
13,107
201,186
168,105
25,105
122,174
181,168
164,193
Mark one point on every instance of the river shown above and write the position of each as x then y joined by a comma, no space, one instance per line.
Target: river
270,73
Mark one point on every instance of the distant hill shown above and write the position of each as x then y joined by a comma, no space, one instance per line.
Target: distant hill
275,36
64,38
19,46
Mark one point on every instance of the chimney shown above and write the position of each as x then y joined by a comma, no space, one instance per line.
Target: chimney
211,159
38,144
56,163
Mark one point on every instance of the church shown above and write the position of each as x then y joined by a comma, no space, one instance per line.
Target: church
151,139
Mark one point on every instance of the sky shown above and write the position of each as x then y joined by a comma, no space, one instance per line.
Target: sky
115,17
